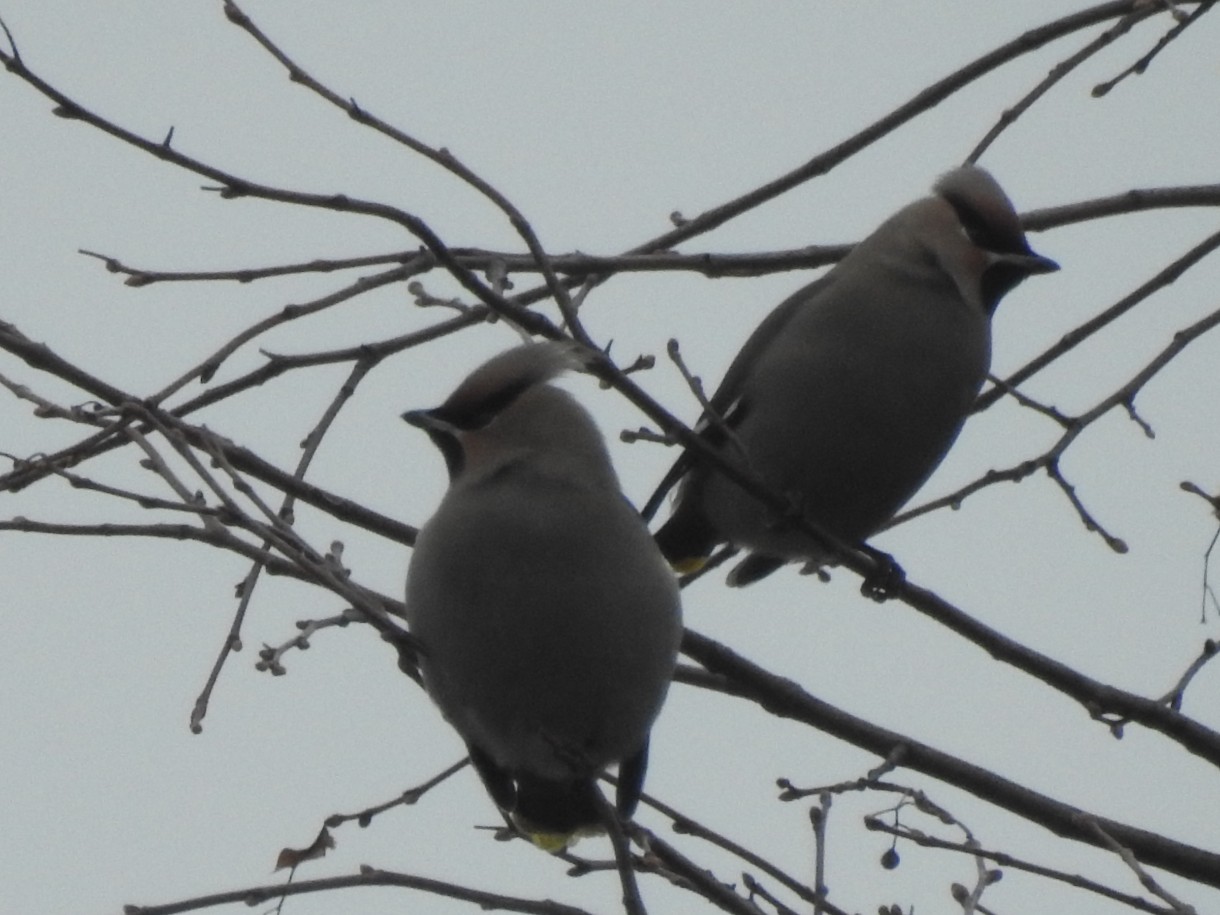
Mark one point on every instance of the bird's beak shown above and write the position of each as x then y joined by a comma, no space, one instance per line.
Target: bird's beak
444,436
1028,263
418,418
427,420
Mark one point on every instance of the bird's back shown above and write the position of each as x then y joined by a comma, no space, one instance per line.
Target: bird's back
548,619
866,379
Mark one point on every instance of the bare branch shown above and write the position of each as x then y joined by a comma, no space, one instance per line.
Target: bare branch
442,157
786,699
1146,880
1048,461
270,659
1058,72
235,510
818,814
1006,860
1077,336
368,876
685,825
137,277
222,538
1183,22
664,858
406,799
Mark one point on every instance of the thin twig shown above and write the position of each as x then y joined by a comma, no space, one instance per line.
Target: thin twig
138,276
1147,881
709,415
1051,413
1078,335
1004,859
368,876
1048,461
870,779
1057,73
757,889
406,799
232,641
42,357
818,814
206,370
442,157
1206,591
923,101
663,857
633,903
270,659
785,698
685,825
222,539
1183,22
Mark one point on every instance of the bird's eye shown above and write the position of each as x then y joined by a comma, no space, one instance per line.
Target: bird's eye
477,414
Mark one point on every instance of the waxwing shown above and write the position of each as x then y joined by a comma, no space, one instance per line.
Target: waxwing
848,395
547,618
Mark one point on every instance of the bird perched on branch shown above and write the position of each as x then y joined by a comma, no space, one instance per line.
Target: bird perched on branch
848,395
548,620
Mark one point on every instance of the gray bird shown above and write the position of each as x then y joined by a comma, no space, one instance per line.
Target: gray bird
848,395
548,620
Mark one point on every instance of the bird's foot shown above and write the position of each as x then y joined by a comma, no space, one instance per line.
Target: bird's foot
885,579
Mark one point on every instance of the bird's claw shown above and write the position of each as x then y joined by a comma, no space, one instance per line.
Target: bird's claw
886,578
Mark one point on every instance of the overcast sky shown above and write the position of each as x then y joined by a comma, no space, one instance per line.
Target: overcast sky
597,122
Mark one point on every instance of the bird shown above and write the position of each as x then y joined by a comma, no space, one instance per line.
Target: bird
848,395
547,619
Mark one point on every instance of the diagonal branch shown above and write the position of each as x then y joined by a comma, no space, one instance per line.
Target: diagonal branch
1075,337
1058,72
787,699
923,101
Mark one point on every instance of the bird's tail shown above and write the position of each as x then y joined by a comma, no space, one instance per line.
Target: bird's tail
687,538
554,814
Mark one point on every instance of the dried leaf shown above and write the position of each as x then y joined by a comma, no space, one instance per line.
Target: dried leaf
291,857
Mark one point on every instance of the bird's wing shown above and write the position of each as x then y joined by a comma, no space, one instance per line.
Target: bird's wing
727,402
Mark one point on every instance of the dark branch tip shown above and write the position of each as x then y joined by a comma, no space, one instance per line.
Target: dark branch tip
236,16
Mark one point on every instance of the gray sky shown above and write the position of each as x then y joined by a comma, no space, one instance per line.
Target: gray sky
597,123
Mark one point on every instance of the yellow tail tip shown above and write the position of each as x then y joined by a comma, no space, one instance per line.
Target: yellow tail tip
550,841
553,842
688,565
